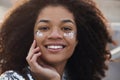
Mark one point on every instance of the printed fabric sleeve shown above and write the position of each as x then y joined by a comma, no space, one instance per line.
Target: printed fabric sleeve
11,75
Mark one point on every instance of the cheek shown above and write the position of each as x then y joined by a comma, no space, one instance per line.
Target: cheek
73,46
71,39
71,49
70,35
39,34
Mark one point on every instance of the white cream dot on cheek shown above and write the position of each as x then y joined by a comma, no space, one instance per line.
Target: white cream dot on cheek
69,35
39,34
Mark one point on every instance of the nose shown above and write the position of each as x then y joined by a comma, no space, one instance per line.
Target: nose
55,34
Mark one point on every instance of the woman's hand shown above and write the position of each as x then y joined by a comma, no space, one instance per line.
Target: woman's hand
40,70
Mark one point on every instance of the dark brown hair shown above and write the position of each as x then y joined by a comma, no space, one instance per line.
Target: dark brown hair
88,60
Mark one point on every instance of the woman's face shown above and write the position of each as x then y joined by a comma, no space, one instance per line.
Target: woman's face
55,34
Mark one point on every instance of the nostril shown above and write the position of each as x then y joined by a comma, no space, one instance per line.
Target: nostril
55,34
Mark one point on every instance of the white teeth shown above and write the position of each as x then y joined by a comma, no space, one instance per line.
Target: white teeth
54,47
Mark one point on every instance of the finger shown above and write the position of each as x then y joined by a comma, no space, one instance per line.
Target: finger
34,64
37,62
33,45
32,60
32,52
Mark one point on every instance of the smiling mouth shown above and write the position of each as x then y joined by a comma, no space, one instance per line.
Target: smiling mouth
54,47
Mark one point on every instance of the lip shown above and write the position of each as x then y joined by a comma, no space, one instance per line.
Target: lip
55,50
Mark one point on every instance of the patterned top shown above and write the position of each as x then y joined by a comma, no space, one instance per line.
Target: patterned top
12,75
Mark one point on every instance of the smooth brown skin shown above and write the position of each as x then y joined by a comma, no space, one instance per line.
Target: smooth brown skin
53,22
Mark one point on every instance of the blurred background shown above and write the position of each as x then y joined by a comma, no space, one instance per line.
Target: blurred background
111,10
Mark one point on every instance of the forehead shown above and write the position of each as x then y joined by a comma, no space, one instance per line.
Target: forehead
55,13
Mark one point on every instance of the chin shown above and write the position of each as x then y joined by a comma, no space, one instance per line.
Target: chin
54,60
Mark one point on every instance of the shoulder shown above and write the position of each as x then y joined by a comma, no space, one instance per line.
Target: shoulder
11,75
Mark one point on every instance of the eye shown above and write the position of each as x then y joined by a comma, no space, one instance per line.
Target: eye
43,28
66,28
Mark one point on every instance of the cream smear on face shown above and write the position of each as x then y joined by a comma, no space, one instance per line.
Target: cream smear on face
69,35
39,34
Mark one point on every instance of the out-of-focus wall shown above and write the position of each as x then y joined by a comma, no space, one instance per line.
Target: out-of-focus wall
110,8
114,71
4,6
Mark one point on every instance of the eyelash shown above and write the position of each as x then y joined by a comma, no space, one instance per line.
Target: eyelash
66,29
44,28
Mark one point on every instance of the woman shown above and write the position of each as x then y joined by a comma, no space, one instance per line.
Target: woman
68,38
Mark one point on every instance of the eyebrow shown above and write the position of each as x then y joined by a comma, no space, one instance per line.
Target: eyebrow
67,21
63,21
46,21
